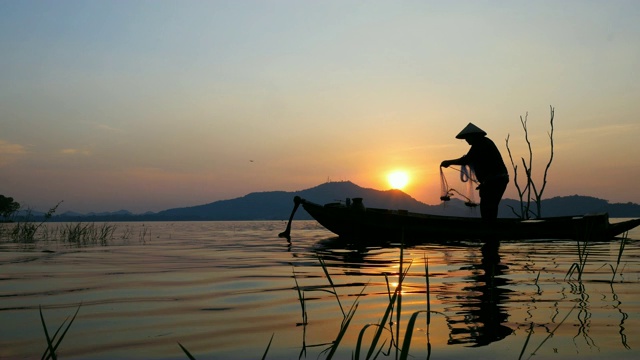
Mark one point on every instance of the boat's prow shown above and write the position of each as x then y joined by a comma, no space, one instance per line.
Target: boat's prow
622,227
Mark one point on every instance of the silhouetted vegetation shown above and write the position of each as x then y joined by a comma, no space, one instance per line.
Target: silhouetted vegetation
25,231
530,191
8,207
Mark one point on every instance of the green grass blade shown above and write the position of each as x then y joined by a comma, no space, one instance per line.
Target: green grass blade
343,330
574,267
406,344
386,279
428,290
526,341
552,331
386,315
360,338
620,251
399,300
268,346
186,352
52,350
301,299
335,292
67,328
428,294
49,350
383,321
380,349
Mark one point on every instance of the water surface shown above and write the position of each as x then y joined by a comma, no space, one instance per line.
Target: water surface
223,289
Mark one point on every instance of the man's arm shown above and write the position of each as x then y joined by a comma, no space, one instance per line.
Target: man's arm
459,161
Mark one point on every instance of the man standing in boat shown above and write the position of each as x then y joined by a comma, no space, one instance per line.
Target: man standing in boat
486,162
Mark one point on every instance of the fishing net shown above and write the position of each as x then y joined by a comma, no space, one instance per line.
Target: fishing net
445,193
467,177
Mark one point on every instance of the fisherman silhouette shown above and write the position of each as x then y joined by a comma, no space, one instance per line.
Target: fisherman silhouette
485,161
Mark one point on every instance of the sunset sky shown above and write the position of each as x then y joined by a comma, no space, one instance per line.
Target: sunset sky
150,105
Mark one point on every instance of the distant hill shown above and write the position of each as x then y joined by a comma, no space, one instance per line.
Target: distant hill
277,205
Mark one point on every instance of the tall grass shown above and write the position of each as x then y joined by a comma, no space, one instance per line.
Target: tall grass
579,268
25,231
582,243
84,234
78,234
374,349
143,234
387,331
583,254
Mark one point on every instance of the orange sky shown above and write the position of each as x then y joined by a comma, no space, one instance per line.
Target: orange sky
148,106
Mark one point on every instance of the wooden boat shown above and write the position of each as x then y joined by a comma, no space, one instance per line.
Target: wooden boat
360,223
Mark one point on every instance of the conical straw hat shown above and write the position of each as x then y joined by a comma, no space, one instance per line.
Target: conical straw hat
470,130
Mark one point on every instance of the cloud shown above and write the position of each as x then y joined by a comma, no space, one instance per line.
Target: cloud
7,148
108,128
10,152
75,152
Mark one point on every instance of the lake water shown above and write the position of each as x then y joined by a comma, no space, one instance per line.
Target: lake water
223,289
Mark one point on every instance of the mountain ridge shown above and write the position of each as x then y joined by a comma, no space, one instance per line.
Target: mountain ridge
277,205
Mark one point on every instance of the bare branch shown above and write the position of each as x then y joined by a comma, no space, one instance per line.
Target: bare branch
527,171
546,170
531,186
515,180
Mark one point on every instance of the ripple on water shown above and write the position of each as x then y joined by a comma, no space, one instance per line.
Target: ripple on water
223,289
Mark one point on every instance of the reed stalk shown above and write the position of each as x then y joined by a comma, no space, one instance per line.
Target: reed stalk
623,243
142,235
84,234
345,325
428,294
550,335
583,254
334,292
266,351
399,300
191,357
50,352
25,231
526,341
406,344
303,305
387,314
347,317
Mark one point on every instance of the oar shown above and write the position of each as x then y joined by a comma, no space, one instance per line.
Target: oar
287,232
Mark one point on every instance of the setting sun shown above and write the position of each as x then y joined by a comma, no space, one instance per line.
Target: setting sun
398,179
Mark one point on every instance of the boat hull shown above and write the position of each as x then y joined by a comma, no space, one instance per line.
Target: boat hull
395,225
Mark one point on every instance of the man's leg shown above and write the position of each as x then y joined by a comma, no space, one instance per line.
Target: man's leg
490,196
